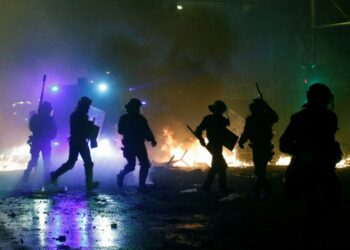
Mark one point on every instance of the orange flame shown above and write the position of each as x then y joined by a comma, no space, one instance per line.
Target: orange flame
193,154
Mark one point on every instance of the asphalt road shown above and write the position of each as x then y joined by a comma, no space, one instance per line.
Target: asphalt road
175,214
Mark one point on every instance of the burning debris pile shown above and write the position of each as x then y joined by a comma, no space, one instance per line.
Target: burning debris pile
175,154
192,154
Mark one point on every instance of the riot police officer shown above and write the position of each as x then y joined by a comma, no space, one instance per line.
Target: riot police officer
135,130
310,140
258,130
214,125
80,133
44,129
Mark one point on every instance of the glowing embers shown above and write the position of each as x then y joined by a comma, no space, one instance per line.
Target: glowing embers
15,158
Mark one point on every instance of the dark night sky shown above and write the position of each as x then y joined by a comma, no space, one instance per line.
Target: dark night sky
68,39
181,60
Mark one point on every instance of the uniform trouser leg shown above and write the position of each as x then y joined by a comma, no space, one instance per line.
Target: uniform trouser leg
144,166
260,160
222,178
218,165
261,182
210,177
34,151
46,153
88,164
221,166
69,164
130,156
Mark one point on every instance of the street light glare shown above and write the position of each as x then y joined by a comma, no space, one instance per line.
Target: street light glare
102,87
54,88
179,7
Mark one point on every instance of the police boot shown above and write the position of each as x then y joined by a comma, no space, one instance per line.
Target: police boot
90,184
53,178
120,179
46,176
142,179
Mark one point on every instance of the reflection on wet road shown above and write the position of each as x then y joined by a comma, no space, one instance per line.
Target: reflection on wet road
165,218
73,219
76,220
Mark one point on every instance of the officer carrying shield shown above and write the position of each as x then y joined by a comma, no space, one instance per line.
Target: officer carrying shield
80,132
215,125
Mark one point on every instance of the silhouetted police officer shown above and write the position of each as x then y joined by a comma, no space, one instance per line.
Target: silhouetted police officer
80,133
44,129
258,130
135,130
310,139
214,124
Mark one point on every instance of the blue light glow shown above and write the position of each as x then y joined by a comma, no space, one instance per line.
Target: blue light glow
54,88
102,87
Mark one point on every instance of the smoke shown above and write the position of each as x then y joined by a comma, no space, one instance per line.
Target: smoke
176,60
179,61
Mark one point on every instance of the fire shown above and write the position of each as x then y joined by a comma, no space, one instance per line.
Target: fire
345,162
193,154
175,153
283,161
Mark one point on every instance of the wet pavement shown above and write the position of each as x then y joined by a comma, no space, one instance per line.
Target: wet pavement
173,215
